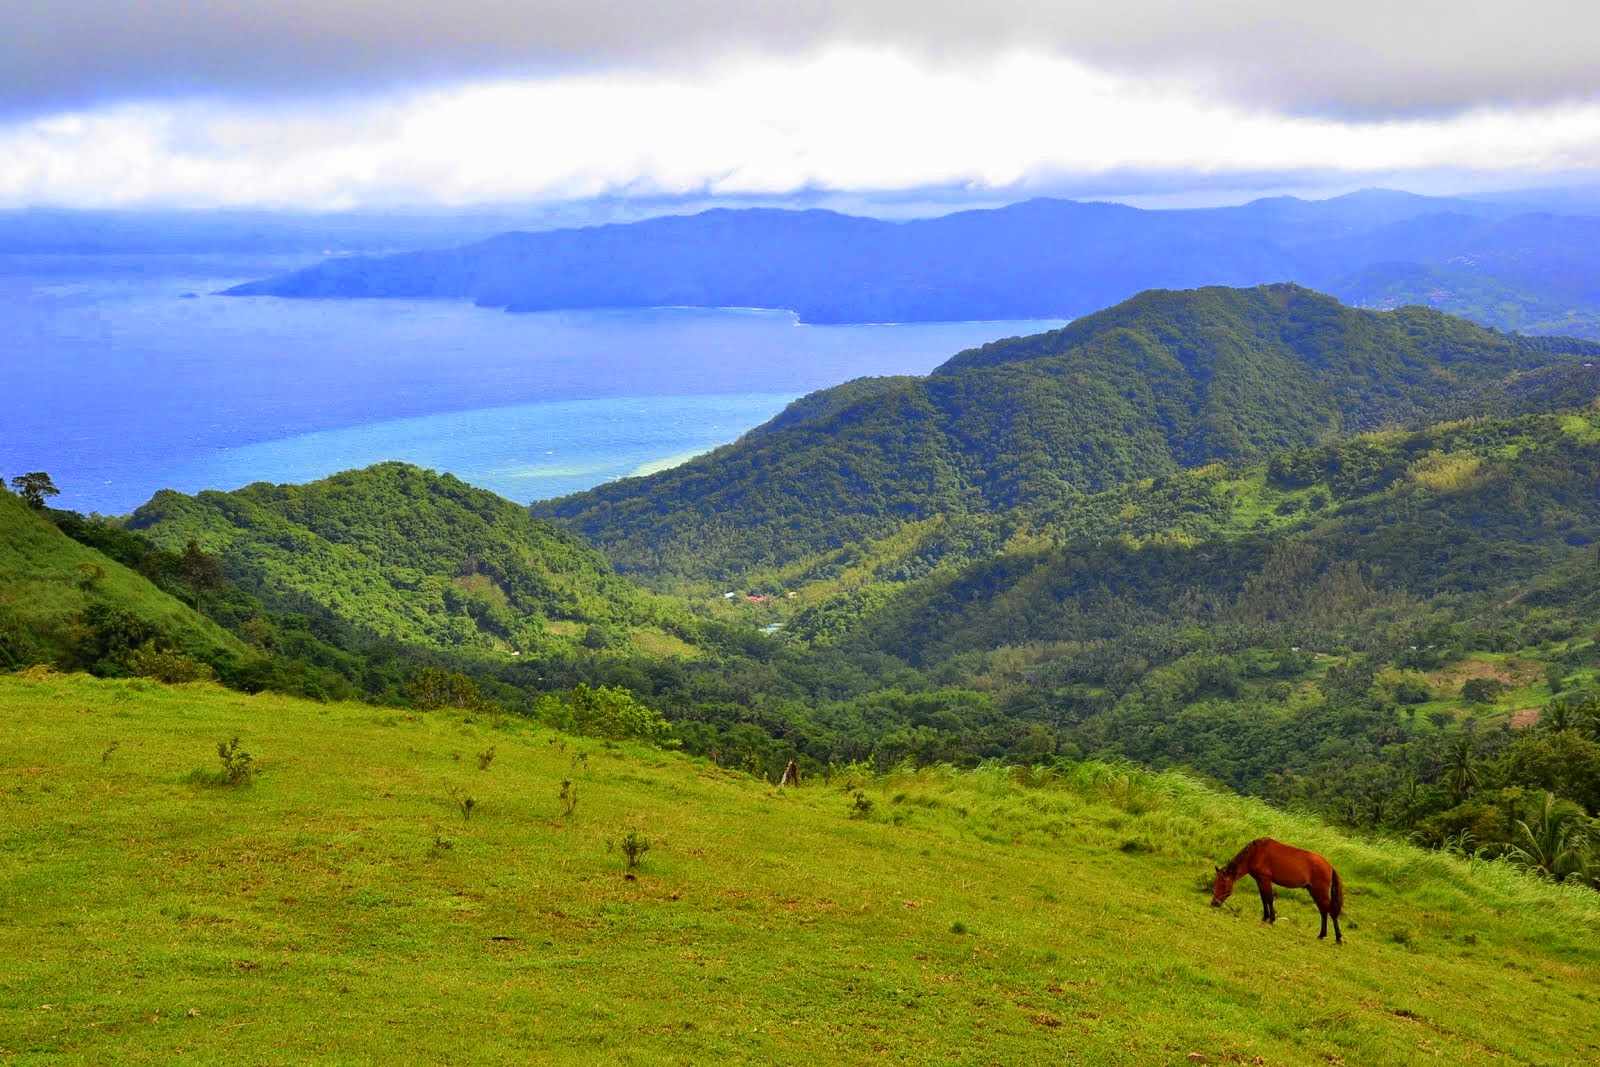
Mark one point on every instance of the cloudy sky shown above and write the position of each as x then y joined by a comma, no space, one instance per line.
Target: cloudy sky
358,103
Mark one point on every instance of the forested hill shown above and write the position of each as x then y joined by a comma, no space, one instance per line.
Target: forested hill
404,554
1164,381
1038,259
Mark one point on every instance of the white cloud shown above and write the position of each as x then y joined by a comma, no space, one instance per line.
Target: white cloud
846,118
1371,57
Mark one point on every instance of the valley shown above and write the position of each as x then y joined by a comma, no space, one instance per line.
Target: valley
1180,531
720,533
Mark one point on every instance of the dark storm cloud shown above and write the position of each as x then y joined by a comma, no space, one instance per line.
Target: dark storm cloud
1352,58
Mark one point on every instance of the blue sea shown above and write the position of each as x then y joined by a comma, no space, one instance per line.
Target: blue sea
126,374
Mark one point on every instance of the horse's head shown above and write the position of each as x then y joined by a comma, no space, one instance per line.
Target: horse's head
1222,887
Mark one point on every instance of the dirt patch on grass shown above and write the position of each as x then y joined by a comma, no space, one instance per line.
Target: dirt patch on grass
1523,718
1452,676
1512,673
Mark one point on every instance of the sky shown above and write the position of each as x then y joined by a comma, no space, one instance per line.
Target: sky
337,104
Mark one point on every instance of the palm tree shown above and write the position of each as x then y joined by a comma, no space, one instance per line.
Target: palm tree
1588,715
1461,769
1558,715
1556,844
1409,800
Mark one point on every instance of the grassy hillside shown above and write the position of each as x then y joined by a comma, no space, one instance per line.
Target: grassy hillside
340,908
50,584
1164,381
408,555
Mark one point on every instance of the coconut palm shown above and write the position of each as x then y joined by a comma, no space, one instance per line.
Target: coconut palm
1556,843
1558,715
1462,771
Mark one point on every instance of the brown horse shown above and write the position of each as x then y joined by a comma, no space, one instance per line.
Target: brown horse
1271,862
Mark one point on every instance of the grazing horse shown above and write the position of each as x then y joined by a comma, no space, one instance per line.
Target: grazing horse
1272,862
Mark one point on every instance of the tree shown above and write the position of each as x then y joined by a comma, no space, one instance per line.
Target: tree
1461,769
1562,762
607,711
200,572
1556,843
33,487
435,688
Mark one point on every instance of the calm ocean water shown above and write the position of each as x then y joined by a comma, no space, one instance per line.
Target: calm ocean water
125,376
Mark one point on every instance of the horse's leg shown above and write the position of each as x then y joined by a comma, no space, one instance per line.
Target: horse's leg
1336,896
1269,914
1319,894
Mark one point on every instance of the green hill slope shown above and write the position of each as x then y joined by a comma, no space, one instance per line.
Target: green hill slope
62,601
1334,629
1164,381
341,909
407,555
1472,514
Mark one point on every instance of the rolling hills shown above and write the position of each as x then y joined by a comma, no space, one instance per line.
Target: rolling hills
338,906
1154,534
407,555
1164,381
1310,539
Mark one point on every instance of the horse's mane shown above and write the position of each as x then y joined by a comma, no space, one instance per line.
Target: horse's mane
1236,866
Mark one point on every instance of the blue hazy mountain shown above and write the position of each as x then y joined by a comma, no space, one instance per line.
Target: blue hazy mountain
1039,258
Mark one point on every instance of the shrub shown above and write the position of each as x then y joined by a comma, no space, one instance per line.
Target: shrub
238,766
108,637
433,688
1555,676
168,665
610,712
634,845
861,807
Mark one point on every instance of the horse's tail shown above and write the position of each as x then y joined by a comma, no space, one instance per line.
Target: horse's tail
1336,896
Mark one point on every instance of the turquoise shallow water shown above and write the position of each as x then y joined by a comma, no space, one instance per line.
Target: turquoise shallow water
126,375
524,452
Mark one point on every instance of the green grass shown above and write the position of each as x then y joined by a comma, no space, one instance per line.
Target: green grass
341,909
47,580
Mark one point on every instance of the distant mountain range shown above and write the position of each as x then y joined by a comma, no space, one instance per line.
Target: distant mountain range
1536,272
